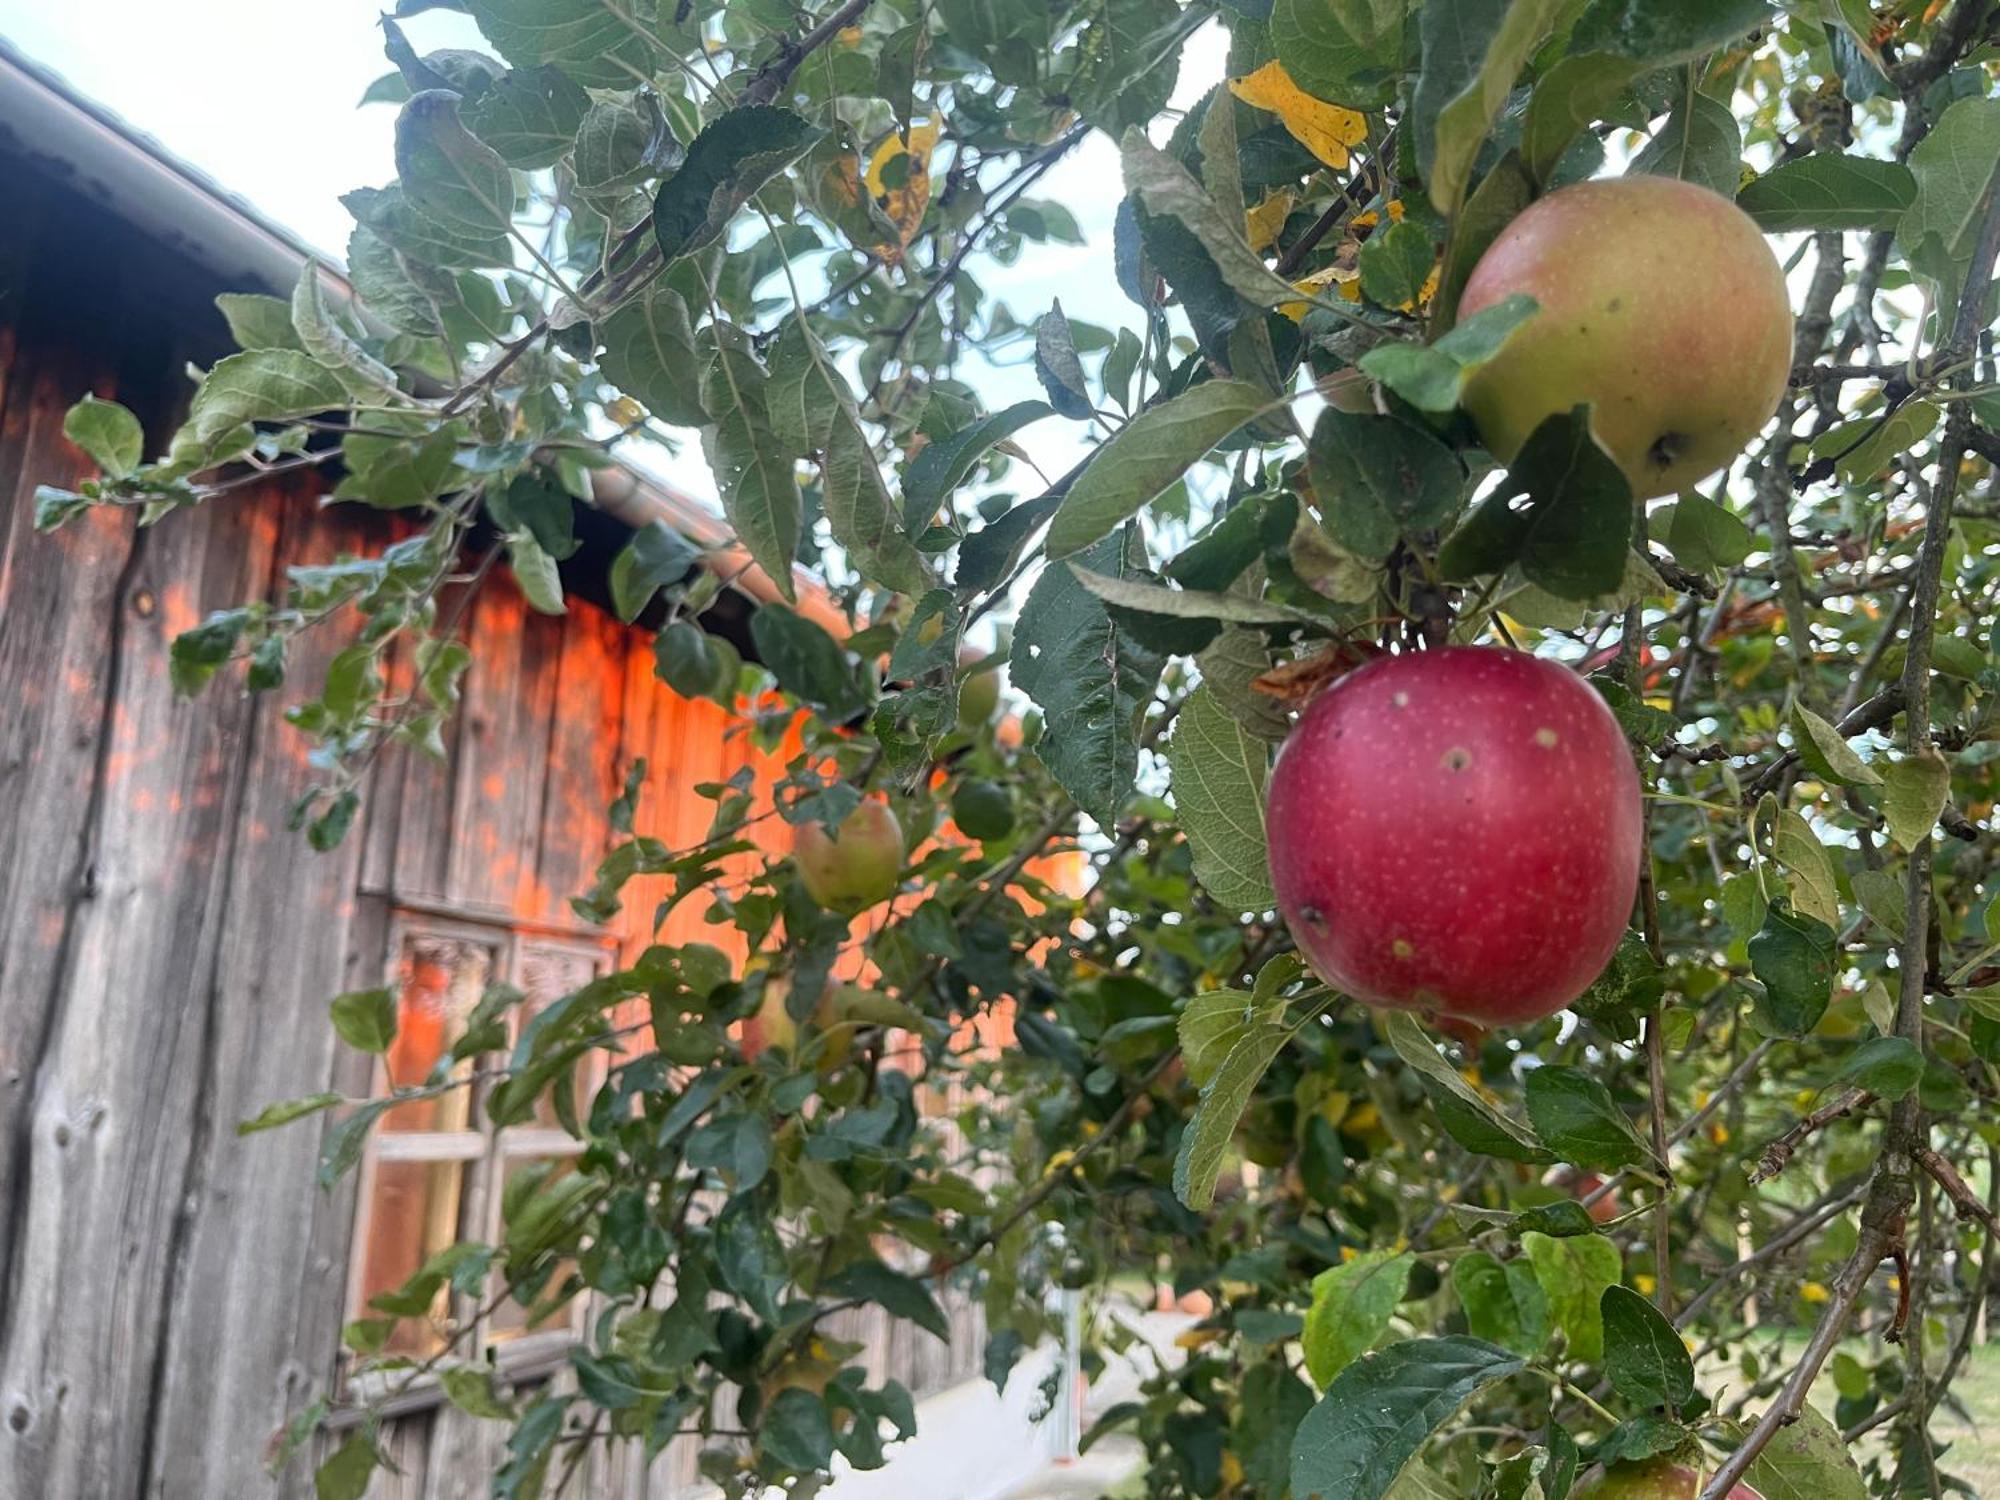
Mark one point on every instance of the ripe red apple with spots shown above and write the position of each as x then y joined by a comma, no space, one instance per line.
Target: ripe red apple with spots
1659,1480
1677,386
1457,832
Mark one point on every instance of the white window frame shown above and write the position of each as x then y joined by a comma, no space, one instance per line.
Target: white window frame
484,1151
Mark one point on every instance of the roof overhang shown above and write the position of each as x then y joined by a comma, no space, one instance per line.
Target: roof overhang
77,141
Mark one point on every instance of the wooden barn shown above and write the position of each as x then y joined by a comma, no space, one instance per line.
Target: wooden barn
170,1293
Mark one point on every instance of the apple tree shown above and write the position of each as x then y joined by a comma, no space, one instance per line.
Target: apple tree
1530,1038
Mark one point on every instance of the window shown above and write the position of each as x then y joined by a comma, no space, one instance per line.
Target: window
436,1171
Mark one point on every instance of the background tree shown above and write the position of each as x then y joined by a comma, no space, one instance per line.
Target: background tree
768,225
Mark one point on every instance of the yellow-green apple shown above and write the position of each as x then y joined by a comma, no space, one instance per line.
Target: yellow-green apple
1661,306
1661,1479
857,864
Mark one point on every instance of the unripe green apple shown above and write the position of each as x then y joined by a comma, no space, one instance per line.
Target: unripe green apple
1661,306
979,694
857,865
1661,1479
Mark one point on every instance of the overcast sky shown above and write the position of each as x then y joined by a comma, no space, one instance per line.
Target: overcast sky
262,95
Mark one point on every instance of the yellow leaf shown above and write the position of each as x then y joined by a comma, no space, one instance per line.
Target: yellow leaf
1343,278
1196,1338
1265,220
1326,130
905,202
1643,1284
1813,1291
1231,1470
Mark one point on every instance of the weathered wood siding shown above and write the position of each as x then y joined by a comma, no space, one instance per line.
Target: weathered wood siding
170,1293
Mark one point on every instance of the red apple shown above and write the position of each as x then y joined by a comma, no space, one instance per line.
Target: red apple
857,865
1661,1479
1457,831
1661,305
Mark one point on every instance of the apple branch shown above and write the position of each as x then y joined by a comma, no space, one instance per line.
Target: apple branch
1778,1155
1891,1188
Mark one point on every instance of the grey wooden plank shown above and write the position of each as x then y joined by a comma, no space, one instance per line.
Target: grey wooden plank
255,1306
123,1062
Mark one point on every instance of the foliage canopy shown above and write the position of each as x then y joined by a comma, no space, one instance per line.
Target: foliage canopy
626,224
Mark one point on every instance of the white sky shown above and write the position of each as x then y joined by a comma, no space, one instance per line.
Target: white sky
261,95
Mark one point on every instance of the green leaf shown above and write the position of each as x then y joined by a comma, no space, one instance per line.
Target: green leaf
1185,604
262,385
1214,1021
808,663
448,174
365,1018
1572,536
1793,956
390,215
1168,189
656,557
1346,51
470,1388
945,461
346,1473
1057,366
1557,1220
796,1430
1887,1066
649,354
1431,376
759,485
322,337
1954,166
1914,792
1205,1140
1380,1410
1574,1271
528,115
1698,143
1816,884
1704,535
1826,752
257,321
1829,191
1880,893
271,1116
1863,447
1395,264
1806,1460
1351,1307
1504,1304
1637,1439
904,1296
109,433
196,655
1218,773
1091,680
1571,95
1146,456
535,571
1377,480
1577,1118
1661,34
1644,1358
735,154
599,43
1467,1117
1472,52
861,513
